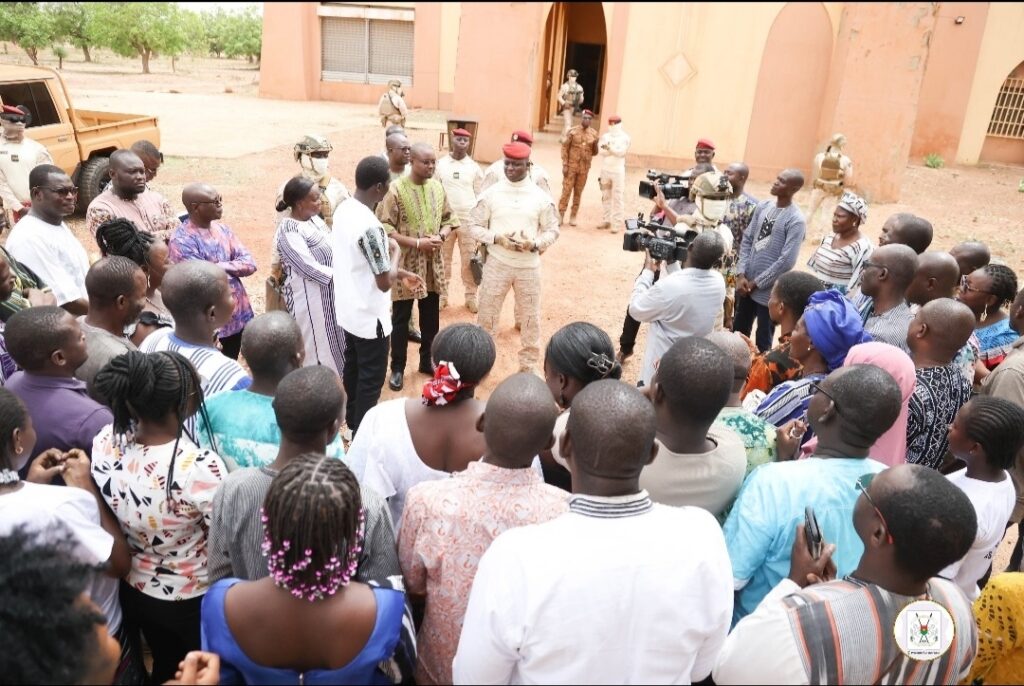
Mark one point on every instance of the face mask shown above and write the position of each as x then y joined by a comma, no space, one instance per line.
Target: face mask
714,210
320,165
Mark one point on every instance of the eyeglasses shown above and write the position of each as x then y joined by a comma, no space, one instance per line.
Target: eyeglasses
816,389
862,483
869,263
217,201
965,286
68,191
405,149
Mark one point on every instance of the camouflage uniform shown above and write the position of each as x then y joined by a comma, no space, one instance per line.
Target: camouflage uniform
570,100
522,211
577,154
832,171
613,148
461,180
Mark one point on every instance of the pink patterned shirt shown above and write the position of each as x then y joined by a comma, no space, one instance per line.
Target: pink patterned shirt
447,526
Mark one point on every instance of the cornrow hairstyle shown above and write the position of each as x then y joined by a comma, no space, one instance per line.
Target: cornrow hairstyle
13,415
49,634
583,352
997,425
314,504
140,386
1004,282
121,237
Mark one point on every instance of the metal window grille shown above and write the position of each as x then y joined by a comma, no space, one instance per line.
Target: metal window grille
1008,115
371,51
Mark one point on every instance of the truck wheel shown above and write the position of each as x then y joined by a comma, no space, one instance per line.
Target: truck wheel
91,182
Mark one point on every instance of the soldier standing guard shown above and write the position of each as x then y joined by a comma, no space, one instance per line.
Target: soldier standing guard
570,100
612,147
833,172
392,107
578,151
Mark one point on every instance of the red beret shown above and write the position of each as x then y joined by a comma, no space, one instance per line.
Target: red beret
705,143
462,132
516,151
588,113
614,119
523,136
12,110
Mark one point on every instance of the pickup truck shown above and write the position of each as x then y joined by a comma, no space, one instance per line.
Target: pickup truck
80,141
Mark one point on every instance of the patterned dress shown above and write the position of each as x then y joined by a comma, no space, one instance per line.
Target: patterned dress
836,267
939,394
306,261
995,342
418,211
772,368
167,537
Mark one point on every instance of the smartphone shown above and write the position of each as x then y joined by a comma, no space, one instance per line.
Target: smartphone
812,532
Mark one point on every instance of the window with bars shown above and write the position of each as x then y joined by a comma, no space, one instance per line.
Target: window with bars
366,50
1008,115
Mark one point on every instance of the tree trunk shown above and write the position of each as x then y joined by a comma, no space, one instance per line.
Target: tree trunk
60,62
145,61
249,58
85,51
33,54
174,64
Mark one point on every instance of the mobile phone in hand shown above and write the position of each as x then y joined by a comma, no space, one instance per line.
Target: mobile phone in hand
812,532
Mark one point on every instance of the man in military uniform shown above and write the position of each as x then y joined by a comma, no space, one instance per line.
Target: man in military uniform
612,148
461,177
19,155
496,171
833,172
392,107
578,151
570,100
516,220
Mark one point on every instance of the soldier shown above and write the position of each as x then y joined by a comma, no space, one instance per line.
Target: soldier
537,173
578,151
612,148
392,107
19,155
461,177
570,99
833,171
517,221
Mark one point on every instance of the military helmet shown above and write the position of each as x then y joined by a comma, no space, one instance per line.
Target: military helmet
572,73
394,83
310,143
711,185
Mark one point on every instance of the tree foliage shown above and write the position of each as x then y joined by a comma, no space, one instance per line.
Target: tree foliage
28,25
142,29
75,22
244,35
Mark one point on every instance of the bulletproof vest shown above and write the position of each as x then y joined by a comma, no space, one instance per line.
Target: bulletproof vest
575,95
326,210
831,166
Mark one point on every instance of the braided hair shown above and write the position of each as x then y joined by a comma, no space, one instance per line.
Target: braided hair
49,635
1004,282
997,425
13,415
139,386
582,351
121,237
313,509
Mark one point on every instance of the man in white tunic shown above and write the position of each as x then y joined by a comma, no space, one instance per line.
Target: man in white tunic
18,157
612,147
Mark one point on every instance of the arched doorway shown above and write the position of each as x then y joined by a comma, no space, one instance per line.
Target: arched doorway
575,37
1004,140
790,89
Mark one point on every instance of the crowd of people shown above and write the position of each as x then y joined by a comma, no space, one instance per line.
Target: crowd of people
193,492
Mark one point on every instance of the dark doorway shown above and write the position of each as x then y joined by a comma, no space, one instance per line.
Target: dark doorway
588,60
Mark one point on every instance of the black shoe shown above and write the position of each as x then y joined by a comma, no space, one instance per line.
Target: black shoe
415,336
426,369
397,381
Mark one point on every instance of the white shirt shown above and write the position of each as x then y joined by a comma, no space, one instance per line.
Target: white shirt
612,147
684,302
56,511
617,590
362,309
17,160
52,252
461,180
993,503
520,210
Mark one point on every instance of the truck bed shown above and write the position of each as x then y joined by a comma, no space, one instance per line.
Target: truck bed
98,130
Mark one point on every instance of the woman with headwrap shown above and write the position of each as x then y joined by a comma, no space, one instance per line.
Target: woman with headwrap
840,254
824,334
891,447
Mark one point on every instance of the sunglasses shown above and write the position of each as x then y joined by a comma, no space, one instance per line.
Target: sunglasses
862,484
14,120
966,286
64,192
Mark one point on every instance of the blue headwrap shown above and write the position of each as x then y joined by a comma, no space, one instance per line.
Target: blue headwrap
834,326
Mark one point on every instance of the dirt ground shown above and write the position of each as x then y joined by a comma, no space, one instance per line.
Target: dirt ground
242,145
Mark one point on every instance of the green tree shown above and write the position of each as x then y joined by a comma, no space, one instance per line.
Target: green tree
244,35
76,22
217,27
27,25
141,29
60,52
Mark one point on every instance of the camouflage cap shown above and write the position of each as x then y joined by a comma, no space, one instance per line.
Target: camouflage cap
572,73
394,83
711,185
311,142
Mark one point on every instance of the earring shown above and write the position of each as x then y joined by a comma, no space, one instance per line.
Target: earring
19,450
984,315
561,399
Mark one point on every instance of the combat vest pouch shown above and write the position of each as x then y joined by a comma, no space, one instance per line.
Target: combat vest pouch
832,168
476,263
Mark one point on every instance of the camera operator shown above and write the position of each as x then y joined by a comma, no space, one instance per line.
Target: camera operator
686,302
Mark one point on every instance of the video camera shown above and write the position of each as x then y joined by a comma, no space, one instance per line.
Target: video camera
660,242
673,186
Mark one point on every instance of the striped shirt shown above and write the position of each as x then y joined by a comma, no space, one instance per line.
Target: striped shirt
836,266
842,632
891,326
217,371
789,401
236,533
